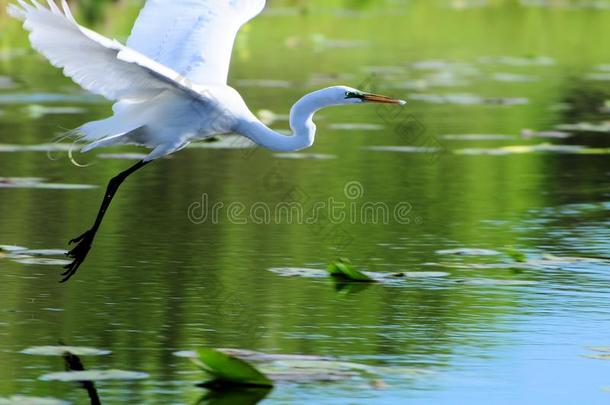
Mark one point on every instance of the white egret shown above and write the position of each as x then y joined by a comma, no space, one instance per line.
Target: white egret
169,83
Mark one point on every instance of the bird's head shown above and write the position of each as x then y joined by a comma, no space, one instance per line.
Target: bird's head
343,95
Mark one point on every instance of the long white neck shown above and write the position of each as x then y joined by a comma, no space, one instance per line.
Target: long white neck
301,122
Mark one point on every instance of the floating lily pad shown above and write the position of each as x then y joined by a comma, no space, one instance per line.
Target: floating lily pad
468,99
594,151
38,111
404,149
260,356
356,127
514,78
42,261
605,356
425,274
43,252
40,98
528,133
604,349
11,248
518,61
45,147
489,281
38,183
291,368
7,83
521,149
477,137
311,370
227,369
343,269
560,262
26,400
600,77
305,156
586,127
61,350
251,355
321,42
468,252
94,375
299,272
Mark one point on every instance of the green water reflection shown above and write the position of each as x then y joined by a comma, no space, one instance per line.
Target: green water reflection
156,282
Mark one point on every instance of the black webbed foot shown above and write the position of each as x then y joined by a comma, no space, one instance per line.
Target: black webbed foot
79,254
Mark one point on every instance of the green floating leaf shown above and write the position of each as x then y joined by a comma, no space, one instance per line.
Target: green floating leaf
229,370
516,254
342,268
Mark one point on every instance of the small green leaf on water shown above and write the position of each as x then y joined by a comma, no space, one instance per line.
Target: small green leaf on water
516,254
229,370
342,268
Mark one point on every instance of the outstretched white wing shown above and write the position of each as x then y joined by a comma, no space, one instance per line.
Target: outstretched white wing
193,37
96,63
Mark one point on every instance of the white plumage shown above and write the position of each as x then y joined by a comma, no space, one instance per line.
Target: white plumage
170,81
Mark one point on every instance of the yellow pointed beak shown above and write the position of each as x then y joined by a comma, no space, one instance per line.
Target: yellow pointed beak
376,98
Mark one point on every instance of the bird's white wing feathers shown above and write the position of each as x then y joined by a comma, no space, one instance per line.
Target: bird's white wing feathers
193,37
96,63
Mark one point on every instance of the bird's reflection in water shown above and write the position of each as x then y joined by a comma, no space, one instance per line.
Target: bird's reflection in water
74,363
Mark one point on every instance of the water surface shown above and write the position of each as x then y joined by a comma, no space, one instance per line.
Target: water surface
160,280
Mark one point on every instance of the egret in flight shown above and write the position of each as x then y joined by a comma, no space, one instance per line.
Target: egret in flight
168,82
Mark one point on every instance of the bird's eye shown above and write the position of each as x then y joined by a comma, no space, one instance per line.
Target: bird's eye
351,94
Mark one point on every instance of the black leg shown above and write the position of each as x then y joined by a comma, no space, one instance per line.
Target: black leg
85,241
